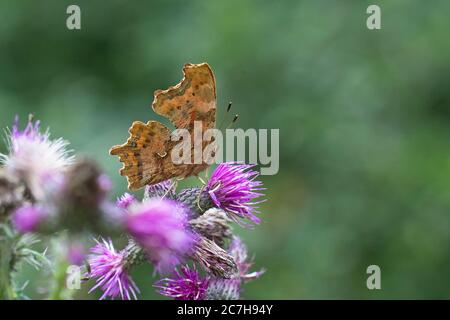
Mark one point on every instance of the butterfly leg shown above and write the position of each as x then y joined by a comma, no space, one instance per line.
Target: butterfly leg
199,195
173,186
201,180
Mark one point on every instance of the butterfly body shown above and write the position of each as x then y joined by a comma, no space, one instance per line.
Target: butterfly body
147,153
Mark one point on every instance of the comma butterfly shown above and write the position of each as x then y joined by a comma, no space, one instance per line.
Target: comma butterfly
147,153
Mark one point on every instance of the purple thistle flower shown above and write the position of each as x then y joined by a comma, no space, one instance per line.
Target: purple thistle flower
185,285
109,269
104,183
125,200
160,226
75,253
238,251
232,187
34,157
28,217
31,132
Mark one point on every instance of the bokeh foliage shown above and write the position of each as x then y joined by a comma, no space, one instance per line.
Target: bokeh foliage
364,119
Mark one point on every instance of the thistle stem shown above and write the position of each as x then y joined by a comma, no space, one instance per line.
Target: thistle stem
7,291
58,291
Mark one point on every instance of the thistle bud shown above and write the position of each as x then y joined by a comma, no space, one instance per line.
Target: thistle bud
82,201
12,194
214,225
213,258
165,189
223,289
83,184
134,254
196,199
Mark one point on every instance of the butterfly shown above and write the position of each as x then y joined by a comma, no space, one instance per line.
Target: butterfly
147,153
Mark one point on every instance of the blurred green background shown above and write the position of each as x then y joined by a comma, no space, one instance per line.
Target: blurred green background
364,119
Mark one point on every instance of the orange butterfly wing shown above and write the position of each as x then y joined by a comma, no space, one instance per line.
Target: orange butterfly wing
147,153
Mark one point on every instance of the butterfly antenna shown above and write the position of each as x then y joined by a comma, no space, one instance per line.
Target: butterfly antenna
235,119
229,106
224,118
